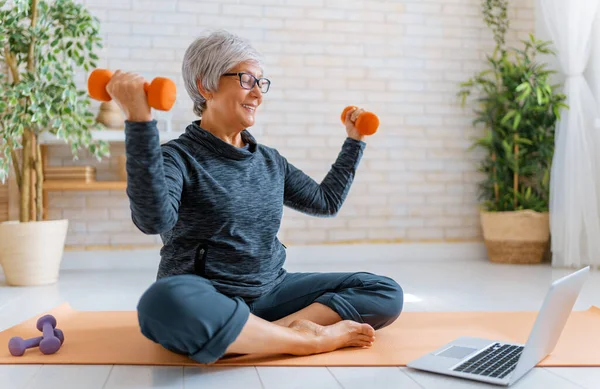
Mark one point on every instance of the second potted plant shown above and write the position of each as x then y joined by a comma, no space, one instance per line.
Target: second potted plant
518,108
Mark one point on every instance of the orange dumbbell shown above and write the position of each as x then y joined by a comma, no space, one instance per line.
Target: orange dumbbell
161,91
366,123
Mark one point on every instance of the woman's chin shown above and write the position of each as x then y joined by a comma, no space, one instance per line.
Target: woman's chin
248,121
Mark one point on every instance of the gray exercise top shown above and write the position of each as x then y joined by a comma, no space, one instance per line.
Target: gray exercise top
218,207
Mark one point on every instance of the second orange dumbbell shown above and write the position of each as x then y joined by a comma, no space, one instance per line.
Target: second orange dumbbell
367,123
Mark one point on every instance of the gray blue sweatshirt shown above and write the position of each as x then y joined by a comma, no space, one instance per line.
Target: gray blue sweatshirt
218,208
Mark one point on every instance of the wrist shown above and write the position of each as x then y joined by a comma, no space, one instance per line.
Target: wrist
139,118
360,138
139,115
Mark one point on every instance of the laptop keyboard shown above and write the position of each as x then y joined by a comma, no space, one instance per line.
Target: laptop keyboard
496,361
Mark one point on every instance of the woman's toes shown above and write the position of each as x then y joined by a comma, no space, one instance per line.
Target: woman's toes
360,343
367,329
366,338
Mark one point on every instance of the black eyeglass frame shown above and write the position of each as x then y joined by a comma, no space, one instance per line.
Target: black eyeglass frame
256,80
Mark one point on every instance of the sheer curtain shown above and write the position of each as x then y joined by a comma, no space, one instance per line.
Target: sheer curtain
575,176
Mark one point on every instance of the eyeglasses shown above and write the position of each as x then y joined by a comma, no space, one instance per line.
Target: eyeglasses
247,81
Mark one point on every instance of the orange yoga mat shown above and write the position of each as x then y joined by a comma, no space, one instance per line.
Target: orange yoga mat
113,337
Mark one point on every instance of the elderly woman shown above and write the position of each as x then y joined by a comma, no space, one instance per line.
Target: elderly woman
216,196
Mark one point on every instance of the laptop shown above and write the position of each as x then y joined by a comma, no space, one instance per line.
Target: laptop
503,363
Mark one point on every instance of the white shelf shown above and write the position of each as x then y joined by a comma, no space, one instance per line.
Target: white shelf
109,136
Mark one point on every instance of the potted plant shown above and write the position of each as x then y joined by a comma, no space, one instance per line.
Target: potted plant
518,109
42,44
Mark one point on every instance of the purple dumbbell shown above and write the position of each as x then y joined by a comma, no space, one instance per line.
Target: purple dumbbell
50,344
18,345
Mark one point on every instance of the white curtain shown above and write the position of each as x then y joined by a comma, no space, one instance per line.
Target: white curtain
592,73
575,176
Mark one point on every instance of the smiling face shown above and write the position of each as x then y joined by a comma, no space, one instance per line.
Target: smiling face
232,105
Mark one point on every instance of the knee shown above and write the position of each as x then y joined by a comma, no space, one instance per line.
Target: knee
186,315
163,310
388,300
157,306
164,300
395,295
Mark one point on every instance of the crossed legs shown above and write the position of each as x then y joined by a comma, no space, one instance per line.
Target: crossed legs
186,315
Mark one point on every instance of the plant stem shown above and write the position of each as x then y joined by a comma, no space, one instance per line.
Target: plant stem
23,177
11,61
516,173
28,158
15,162
496,188
26,178
39,182
34,156
31,53
12,64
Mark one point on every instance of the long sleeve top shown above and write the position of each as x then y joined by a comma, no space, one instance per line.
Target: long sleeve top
218,208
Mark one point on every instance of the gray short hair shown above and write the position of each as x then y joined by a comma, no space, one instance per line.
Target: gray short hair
208,57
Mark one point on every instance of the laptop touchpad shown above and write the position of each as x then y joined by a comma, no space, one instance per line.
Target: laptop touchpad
457,352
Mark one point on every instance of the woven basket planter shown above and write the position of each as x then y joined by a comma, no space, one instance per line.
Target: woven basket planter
516,237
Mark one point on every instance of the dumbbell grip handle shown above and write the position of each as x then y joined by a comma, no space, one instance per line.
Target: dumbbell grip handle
48,331
33,342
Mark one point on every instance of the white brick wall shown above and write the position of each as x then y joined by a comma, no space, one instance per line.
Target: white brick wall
400,59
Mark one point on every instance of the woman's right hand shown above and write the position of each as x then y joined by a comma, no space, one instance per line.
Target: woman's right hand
127,90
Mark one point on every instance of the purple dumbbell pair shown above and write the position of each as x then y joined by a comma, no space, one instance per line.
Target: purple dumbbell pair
49,343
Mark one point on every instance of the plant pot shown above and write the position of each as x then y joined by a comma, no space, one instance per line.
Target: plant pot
516,237
31,253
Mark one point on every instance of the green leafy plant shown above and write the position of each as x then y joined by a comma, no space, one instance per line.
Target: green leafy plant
43,44
518,109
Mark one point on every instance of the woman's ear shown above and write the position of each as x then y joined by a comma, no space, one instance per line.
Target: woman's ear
206,94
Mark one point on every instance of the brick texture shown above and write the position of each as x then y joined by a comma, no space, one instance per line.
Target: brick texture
400,59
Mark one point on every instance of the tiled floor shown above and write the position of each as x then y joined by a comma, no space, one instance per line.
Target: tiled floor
430,286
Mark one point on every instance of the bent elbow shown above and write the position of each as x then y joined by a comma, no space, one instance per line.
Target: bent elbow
332,210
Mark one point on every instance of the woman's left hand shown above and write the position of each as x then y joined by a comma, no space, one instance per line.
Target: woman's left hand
350,121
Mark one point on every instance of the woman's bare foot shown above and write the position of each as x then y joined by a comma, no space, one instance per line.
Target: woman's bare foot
306,326
302,337
345,333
